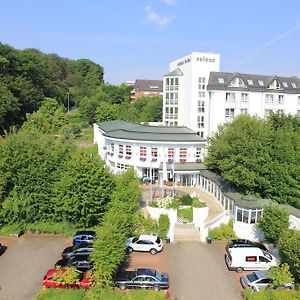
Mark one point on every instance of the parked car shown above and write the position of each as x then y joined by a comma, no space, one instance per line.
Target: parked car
86,236
260,280
78,250
242,243
145,243
82,280
142,278
81,263
255,259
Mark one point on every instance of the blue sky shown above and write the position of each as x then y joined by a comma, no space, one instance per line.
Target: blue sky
137,39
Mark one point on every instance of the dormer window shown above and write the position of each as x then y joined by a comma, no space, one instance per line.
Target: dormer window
293,84
237,82
250,82
221,80
275,85
260,83
285,84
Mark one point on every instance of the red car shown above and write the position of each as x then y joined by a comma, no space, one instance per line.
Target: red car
81,282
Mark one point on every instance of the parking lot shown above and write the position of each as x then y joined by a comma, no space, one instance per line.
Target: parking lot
194,268
25,262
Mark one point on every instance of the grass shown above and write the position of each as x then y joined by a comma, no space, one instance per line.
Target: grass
186,213
60,294
271,295
87,135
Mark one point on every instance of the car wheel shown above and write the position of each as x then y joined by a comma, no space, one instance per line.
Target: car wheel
122,286
129,250
153,251
239,270
156,288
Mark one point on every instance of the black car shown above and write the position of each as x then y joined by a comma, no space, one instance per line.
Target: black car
241,243
78,250
84,236
82,263
142,278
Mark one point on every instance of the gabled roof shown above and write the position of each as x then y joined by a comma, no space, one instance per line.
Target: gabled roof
215,84
176,72
132,131
148,85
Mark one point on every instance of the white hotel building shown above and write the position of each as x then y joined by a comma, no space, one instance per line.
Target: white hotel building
197,98
197,95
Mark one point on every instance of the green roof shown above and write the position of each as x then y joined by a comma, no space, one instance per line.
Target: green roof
132,131
189,166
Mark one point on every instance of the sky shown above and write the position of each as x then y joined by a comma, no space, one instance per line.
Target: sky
137,39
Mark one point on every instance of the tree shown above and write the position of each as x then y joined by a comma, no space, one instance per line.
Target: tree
83,190
163,226
281,275
106,112
274,221
289,247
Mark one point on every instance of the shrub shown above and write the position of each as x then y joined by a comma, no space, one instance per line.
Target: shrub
11,229
163,226
186,213
164,202
145,225
271,295
275,219
289,247
281,275
48,227
198,203
186,199
224,232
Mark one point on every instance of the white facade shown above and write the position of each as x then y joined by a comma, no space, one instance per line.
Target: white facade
184,91
197,95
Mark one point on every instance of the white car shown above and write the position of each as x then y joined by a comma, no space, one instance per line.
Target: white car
145,243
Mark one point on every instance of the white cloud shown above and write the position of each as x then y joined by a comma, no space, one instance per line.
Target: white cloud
170,2
157,19
269,43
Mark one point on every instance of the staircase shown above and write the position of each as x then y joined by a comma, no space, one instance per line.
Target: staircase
186,232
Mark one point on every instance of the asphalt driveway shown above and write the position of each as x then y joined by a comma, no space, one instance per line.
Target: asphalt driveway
198,271
25,262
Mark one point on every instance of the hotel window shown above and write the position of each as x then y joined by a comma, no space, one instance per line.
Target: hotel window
167,81
285,84
269,98
298,101
172,81
221,80
229,113
200,122
293,84
244,97
154,152
237,82
201,105
250,82
170,152
121,149
244,111
230,96
167,96
280,111
112,148
176,81
201,81
298,113
143,151
260,83
128,150
268,112
198,152
280,99
201,94
183,153
275,85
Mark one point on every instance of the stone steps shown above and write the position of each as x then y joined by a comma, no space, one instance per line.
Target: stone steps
186,232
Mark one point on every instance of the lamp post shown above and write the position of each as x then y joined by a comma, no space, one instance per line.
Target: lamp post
68,98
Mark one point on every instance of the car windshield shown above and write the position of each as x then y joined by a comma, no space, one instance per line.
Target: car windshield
267,255
158,275
134,239
252,277
158,240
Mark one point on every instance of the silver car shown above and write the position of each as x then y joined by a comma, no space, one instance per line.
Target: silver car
260,280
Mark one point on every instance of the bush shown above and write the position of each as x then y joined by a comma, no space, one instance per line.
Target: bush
275,219
163,226
115,294
60,294
145,225
186,213
271,295
11,229
224,232
48,227
197,203
186,199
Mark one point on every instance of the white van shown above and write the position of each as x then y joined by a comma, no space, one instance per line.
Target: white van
240,259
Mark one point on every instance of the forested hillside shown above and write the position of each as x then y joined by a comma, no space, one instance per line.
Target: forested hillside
28,76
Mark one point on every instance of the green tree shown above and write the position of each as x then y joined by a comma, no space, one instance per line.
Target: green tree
289,247
83,190
274,221
106,112
163,226
281,275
